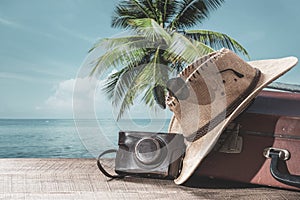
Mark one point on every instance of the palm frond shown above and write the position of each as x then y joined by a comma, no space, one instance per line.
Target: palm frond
119,82
116,58
137,85
142,8
122,88
131,9
126,50
183,50
123,53
167,10
216,40
149,74
110,43
151,30
192,12
127,100
156,76
148,97
152,7
112,80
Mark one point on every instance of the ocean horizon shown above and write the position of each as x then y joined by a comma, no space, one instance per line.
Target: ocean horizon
67,138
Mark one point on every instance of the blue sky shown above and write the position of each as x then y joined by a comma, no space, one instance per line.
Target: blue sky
44,42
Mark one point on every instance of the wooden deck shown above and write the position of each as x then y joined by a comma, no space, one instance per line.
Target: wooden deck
80,179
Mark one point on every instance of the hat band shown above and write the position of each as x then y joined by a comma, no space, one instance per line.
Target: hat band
214,122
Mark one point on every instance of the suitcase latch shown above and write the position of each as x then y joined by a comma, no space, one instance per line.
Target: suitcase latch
230,141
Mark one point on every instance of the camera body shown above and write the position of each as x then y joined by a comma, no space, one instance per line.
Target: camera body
154,155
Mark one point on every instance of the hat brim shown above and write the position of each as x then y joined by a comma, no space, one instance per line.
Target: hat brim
197,150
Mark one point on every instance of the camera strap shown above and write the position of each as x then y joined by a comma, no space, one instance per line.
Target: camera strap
101,168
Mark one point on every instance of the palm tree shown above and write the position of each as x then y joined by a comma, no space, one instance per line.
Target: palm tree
159,45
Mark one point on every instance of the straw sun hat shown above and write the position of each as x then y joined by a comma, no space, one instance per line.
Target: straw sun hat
209,93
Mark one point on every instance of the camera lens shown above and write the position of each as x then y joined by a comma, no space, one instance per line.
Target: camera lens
148,151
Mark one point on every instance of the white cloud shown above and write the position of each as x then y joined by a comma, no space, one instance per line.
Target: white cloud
62,98
76,97
83,98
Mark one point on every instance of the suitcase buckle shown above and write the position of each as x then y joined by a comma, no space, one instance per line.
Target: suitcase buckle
230,142
283,154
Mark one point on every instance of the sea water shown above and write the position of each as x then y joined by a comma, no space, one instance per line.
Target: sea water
66,138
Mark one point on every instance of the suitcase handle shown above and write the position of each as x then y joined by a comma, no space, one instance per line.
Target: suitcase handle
277,155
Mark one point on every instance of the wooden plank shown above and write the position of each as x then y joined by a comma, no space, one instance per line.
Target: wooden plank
81,179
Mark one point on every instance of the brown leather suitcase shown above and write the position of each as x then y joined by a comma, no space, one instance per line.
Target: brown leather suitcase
268,132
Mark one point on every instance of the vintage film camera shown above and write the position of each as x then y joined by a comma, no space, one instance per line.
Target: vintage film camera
154,155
